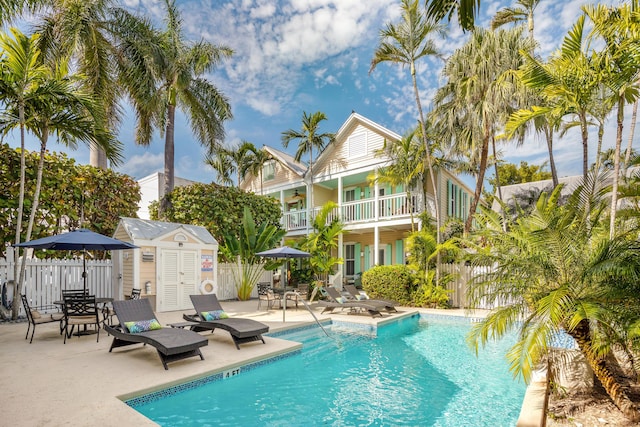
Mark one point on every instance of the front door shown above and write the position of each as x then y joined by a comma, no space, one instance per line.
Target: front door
178,280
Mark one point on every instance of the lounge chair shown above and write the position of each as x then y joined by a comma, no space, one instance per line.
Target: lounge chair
357,296
336,300
241,330
172,344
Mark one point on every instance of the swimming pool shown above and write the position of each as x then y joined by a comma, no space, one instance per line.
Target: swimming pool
416,372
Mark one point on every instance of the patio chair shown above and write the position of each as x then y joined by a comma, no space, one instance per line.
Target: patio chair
302,292
35,317
336,300
171,344
241,330
265,293
80,310
358,296
108,313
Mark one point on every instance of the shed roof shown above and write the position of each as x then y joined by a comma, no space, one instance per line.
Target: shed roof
146,229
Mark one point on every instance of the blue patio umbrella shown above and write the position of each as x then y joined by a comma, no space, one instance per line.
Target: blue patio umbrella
78,240
284,252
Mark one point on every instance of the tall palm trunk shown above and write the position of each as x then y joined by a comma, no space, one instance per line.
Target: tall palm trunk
548,133
613,388
484,154
32,218
616,167
432,175
585,145
169,154
632,131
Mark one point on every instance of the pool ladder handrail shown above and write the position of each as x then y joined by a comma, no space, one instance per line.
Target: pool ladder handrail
297,294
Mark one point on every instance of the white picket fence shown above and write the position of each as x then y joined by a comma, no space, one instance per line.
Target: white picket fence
46,278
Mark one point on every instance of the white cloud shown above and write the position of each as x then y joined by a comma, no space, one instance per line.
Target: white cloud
141,165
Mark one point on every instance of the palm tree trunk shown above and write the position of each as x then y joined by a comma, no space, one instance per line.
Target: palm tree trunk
585,146
432,176
32,218
613,388
548,132
499,187
484,154
97,157
169,155
616,167
23,169
632,131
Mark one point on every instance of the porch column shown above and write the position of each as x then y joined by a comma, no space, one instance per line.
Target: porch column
376,203
376,244
341,255
340,197
284,213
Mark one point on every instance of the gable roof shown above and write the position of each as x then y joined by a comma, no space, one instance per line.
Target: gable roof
146,229
287,160
509,191
347,127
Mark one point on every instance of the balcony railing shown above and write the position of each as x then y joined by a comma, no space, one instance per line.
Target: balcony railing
390,207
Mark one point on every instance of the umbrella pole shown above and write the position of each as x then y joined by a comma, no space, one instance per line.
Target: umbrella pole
84,269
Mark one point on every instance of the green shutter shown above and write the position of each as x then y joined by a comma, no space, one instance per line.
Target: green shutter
367,263
449,185
356,265
399,251
387,255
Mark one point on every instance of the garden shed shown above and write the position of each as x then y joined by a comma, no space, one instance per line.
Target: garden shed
173,261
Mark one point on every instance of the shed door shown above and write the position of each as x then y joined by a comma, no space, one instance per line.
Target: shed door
178,280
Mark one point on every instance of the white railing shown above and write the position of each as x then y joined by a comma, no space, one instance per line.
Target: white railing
295,220
358,211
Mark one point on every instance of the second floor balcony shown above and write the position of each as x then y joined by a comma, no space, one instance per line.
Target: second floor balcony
378,209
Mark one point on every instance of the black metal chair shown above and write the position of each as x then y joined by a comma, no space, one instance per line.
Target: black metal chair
265,293
35,317
80,310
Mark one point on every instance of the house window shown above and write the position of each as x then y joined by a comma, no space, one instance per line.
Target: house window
268,171
381,256
457,201
350,195
350,259
357,145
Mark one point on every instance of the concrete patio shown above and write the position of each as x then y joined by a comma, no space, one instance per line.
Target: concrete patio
48,383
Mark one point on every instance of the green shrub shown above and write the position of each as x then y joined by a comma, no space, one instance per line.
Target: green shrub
394,282
430,296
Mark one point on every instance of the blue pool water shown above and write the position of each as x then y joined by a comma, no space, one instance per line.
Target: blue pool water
416,372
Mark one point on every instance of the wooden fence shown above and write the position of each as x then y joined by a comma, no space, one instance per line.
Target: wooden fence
462,275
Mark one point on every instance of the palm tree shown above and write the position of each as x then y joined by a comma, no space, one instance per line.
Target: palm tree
227,161
466,10
559,273
522,12
308,139
619,30
22,75
567,84
176,66
406,165
478,96
256,161
56,106
405,44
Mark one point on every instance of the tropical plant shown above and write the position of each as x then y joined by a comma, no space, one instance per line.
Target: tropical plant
175,66
553,271
227,161
69,193
255,163
466,11
522,12
252,239
215,207
59,107
322,242
308,139
405,44
478,96
620,30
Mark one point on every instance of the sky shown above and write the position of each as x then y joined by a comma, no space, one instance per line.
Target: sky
295,56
